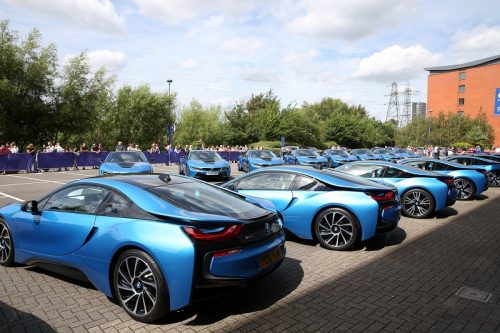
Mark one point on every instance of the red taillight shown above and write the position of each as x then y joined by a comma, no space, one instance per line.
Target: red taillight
386,196
226,233
448,181
224,253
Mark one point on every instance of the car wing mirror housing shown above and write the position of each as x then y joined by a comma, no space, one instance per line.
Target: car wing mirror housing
31,206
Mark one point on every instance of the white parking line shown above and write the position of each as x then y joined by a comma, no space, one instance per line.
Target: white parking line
10,196
21,184
43,180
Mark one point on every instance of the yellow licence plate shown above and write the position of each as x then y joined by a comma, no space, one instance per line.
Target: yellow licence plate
270,257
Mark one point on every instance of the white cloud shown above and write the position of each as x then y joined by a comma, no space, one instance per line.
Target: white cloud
478,43
113,61
242,45
348,19
188,64
295,57
95,14
255,74
396,63
175,12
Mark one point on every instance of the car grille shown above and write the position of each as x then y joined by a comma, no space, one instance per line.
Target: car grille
209,169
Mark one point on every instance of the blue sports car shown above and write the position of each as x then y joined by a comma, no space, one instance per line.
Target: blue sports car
469,181
422,192
122,162
149,241
256,159
336,209
386,154
337,157
492,167
305,157
365,154
204,163
405,153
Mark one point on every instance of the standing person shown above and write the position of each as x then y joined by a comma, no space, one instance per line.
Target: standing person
13,148
119,146
436,152
84,147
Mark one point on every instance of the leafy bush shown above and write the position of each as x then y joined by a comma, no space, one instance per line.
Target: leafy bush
462,145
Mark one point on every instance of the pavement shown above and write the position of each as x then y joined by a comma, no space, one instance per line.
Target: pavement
404,281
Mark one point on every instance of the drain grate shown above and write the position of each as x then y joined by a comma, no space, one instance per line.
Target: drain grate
474,294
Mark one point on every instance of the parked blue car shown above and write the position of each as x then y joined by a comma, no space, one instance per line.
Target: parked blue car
335,209
305,157
387,154
422,192
149,241
122,162
256,159
204,164
405,153
492,167
337,157
469,181
365,155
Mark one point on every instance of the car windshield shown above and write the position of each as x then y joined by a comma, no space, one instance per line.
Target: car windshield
264,154
208,199
126,157
306,152
361,151
337,152
383,151
403,151
204,156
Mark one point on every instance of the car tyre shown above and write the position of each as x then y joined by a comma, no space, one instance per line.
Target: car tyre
140,287
6,246
465,189
336,229
417,203
494,179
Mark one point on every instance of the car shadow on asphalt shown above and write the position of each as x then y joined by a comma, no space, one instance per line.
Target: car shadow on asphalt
445,213
481,197
259,296
379,241
14,320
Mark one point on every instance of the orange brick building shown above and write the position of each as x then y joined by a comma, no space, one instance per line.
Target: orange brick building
467,89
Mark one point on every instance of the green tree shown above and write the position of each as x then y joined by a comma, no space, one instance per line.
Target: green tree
197,122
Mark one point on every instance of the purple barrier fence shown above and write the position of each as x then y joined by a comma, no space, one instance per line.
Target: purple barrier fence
56,160
91,159
16,162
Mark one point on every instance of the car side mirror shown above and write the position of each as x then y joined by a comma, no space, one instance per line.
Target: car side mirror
31,206
230,187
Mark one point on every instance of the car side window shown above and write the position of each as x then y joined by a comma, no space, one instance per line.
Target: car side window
81,199
421,165
266,181
307,184
367,171
441,166
392,173
116,205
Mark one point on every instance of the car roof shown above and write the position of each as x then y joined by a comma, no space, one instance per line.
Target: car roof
435,160
142,181
328,176
403,167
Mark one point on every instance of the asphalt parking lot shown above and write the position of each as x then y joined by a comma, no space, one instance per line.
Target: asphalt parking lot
405,281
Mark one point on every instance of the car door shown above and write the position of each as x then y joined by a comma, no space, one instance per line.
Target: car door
64,222
274,186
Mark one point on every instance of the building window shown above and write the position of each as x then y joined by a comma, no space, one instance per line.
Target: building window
461,88
460,113
461,101
461,75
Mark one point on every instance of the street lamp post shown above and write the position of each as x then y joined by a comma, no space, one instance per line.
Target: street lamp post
430,121
170,128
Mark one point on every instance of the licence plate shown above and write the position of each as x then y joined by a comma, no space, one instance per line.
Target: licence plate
270,257
212,173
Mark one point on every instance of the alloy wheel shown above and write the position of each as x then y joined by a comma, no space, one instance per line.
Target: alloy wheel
5,246
136,286
336,229
417,203
494,179
465,189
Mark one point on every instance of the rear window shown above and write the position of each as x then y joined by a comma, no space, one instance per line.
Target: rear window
203,198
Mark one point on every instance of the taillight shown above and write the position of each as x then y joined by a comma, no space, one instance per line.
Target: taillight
224,253
385,196
448,181
207,235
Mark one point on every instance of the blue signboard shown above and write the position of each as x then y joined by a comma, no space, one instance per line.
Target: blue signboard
497,102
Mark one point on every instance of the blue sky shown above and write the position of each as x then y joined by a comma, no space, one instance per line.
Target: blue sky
223,51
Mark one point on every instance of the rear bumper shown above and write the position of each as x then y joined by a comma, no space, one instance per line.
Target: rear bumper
389,218
452,197
242,268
